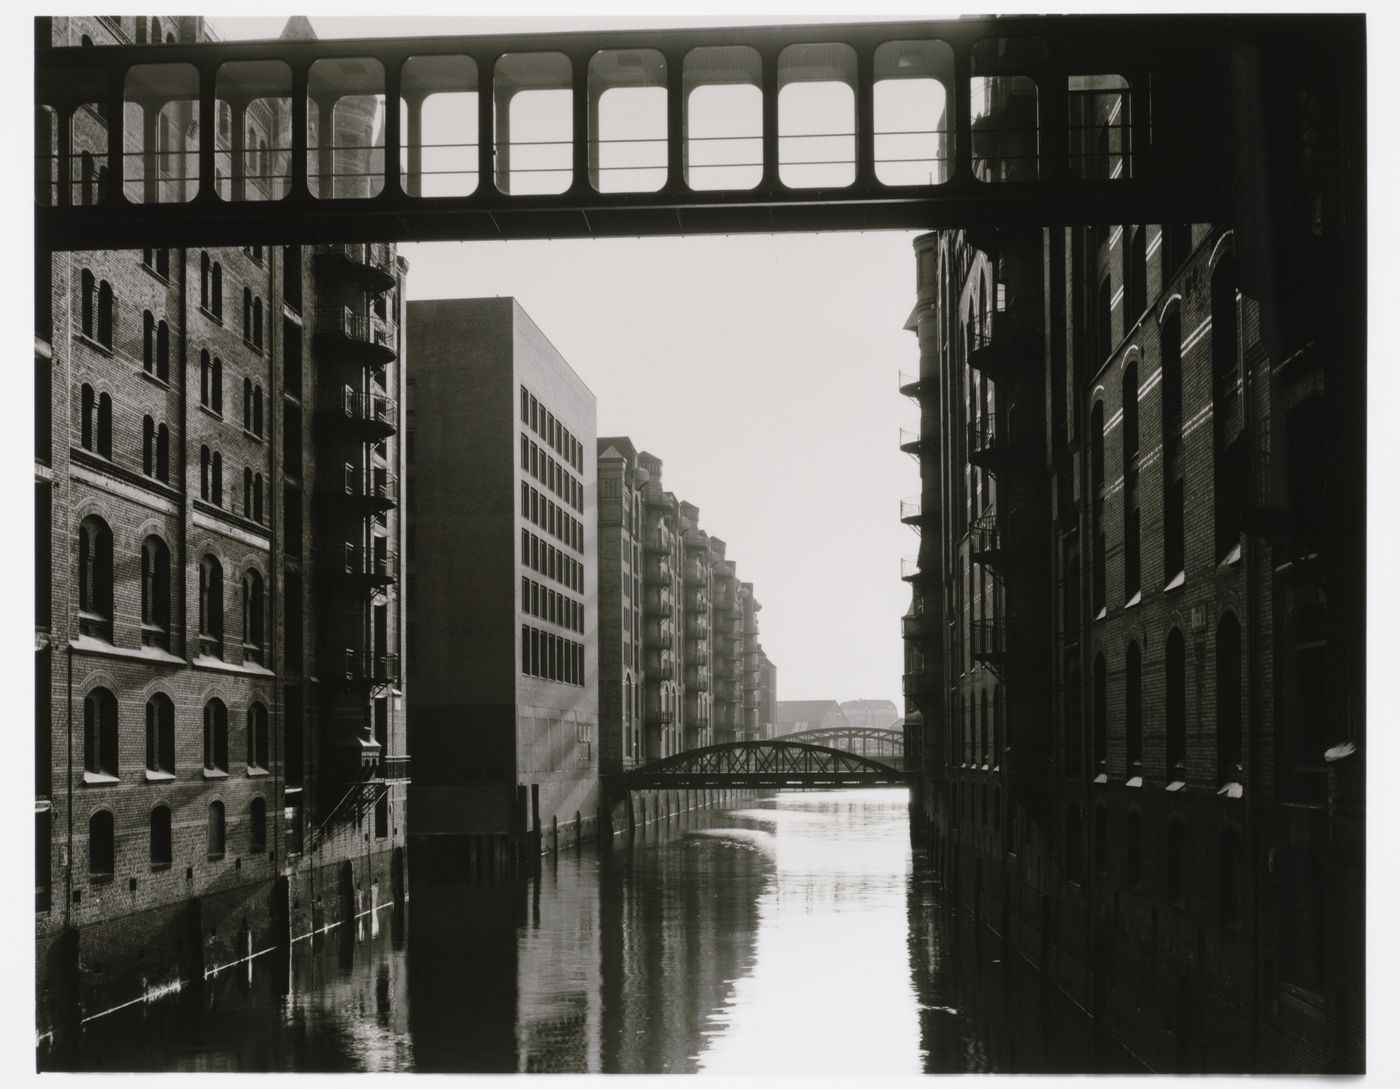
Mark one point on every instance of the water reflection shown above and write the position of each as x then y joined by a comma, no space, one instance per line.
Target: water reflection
789,934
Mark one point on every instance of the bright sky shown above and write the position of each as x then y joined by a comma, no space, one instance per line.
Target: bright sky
761,369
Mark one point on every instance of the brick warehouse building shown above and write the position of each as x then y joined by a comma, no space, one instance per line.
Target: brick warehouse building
221,758
1143,478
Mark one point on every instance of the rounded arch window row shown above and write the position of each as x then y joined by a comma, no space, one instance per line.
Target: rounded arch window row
103,832
97,599
168,747
518,127
1112,724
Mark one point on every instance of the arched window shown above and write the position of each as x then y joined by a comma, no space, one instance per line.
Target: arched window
162,852
163,453
160,735
1229,727
204,465
89,299
1100,716
155,593
204,268
1226,408
1176,707
163,351
148,446
148,341
1132,709
216,479
88,168
257,736
215,736
100,734
211,606
216,386
1130,412
215,839
257,410
104,425
257,826
140,30
252,615
216,290
257,323
155,29
247,404
986,730
1174,492
247,492
1135,295
204,377
102,844
89,416
258,498
105,314
95,578
163,262
247,314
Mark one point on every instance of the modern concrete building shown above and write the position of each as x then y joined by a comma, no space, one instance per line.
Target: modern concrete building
1135,648
767,694
503,626
220,739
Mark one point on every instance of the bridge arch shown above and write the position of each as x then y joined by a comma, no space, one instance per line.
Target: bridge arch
773,764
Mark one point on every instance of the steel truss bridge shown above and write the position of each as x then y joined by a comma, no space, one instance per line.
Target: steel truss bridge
1184,93
771,764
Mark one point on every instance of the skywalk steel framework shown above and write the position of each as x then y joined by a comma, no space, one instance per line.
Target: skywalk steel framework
1177,160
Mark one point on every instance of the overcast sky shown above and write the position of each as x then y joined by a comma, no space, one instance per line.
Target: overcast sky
761,369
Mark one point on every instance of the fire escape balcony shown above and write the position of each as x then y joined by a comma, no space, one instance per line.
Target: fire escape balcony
369,416
394,769
370,669
371,492
370,264
918,625
660,575
660,716
993,442
1010,344
697,573
361,338
665,639
988,638
911,385
920,684
914,444
659,539
911,512
909,568
697,678
366,567
986,545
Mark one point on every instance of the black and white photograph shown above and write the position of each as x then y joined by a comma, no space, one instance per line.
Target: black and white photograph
826,545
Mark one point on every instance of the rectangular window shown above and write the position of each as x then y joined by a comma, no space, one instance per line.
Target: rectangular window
524,453
524,593
524,405
524,499
524,649
525,547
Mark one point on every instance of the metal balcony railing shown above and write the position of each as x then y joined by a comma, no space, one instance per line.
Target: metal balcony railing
373,260
373,564
988,639
372,335
911,441
911,510
375,412
659,539
371,668
911,385
377,489
909,568
985,540
394,768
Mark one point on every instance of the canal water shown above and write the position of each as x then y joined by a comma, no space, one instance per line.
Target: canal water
790,933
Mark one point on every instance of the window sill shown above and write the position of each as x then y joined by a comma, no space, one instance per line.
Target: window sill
162,277
1136,599
149,376
215,773
1231,558
211,315
95,345
99,778
1177,581
1102,613
257,772
1176,785
210,410
215,858
159,776
1101,777
159,867
250,434
1135,782
1231,790
99,879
